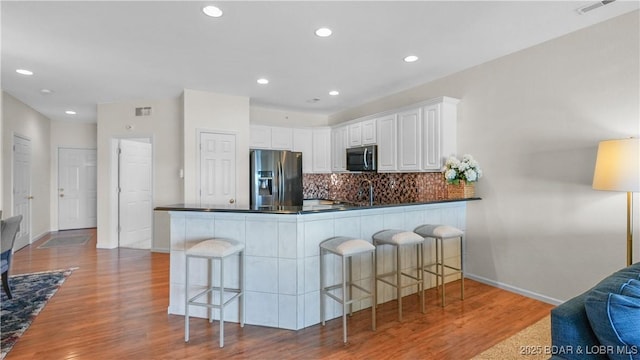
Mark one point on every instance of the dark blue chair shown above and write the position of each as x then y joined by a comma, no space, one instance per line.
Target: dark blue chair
9,230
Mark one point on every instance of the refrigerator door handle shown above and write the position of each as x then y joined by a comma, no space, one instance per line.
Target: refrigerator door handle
280,184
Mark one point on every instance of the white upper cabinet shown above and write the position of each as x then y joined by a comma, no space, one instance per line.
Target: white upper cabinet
369,132
281,138
362,133
270,137
260,137
387,139
321,150
409,140
302,142
418,137
339,142
439,134
355,134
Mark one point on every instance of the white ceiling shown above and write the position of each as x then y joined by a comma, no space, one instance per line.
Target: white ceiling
91,52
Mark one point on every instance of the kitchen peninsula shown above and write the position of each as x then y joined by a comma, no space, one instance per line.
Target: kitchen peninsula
282,256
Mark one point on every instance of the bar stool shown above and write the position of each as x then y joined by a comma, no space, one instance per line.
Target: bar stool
401,239
440,233
347,248
215,249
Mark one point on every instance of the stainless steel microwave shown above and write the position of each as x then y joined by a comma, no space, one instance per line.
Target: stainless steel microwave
363,158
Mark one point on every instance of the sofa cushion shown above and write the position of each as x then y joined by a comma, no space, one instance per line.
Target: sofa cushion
614,317
631,288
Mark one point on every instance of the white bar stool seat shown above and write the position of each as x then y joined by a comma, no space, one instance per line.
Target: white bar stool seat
346,248
401,239
215,249
440,233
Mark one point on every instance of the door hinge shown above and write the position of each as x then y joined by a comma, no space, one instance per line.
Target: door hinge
119,229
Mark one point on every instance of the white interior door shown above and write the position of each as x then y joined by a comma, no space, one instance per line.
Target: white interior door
135,200
217,169
22,188
77,189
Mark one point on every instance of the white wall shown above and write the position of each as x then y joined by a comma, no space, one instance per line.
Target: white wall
533,120
20,119
67,134
164,127
274,117
222,113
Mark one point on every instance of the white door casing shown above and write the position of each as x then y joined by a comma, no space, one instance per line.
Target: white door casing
77,188
22,188
136,197
217,169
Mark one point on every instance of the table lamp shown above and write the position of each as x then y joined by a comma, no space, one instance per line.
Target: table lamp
618,169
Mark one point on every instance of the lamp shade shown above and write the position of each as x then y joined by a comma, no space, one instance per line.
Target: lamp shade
618,165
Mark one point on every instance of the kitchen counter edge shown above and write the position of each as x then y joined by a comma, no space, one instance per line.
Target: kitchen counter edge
299,210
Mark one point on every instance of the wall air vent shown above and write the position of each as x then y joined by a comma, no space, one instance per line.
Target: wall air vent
585,9
143,111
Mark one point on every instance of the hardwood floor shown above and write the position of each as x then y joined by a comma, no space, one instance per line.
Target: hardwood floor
114,306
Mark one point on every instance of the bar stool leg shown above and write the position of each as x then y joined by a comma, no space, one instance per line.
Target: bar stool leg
186,302
242,282
461,269
442,269
222,302
374,301
420,275
210,264
321,287
399,279
344,298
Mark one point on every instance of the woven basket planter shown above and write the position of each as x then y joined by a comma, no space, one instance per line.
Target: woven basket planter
461,190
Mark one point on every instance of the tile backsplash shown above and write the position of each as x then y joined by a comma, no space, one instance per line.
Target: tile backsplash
389,188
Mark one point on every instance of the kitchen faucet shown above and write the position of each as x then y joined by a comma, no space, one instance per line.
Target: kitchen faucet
370,190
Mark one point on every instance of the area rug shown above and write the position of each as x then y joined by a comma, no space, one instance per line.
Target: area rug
30,294
73,240
532,343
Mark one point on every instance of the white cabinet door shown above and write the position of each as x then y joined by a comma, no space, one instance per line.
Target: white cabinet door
409,140
369,132
321,150
431,137
439,129
281,138
339,141
260,137
303,142
386,127
355,134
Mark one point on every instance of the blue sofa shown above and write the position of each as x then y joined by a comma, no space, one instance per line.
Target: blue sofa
582,327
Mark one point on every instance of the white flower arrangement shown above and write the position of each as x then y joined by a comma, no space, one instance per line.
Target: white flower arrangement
466,169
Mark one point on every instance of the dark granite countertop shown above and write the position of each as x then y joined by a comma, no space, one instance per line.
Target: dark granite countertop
332,205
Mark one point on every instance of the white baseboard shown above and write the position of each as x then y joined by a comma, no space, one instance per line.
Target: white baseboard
514,289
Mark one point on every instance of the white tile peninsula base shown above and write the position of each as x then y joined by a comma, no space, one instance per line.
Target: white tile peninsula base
282,269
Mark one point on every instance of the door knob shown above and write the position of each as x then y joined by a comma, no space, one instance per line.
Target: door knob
29,197
61,195
231,201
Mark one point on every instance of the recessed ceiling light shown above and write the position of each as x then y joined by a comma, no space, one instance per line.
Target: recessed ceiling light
24,72
46,92
324,32
70,112
262,81
411,58
212,11
334,92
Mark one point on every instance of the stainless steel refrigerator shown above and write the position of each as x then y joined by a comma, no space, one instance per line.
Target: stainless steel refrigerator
276,178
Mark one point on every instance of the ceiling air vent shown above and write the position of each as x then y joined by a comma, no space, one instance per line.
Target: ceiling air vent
143,111
585,9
